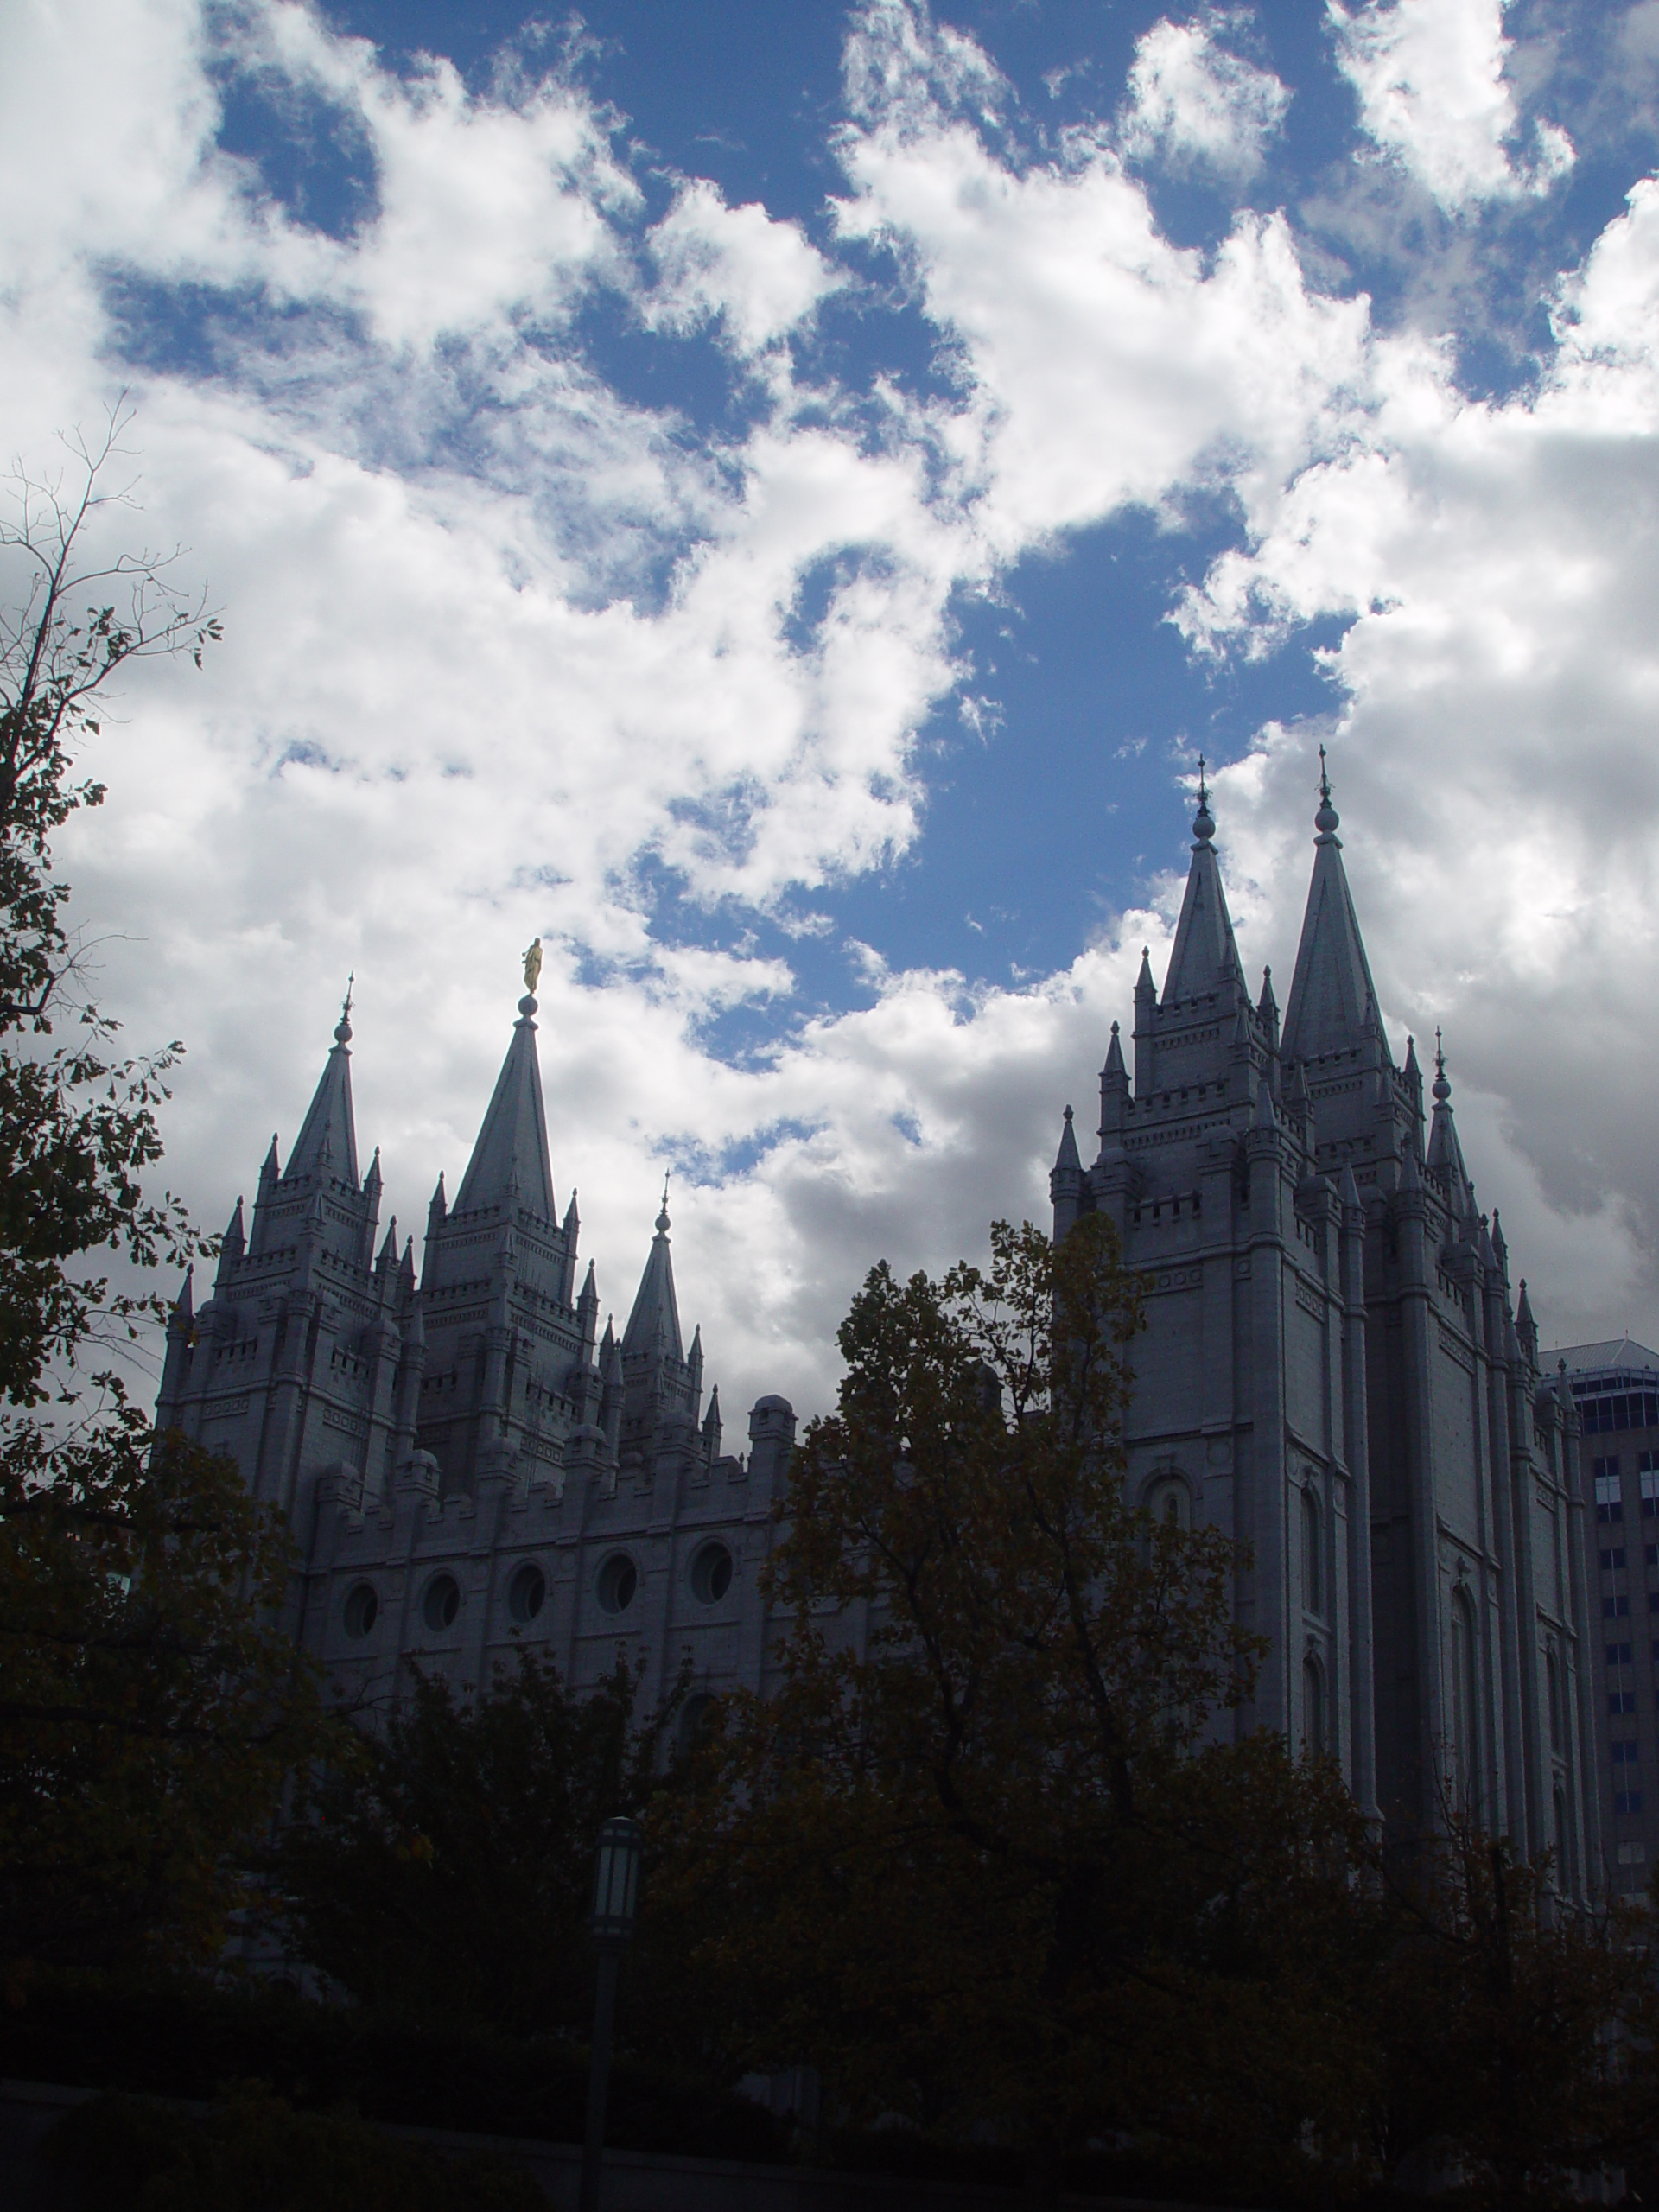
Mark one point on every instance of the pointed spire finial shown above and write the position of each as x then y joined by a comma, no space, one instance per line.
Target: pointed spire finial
662,1218
343,1030
1327,820
1441,1088
1204,826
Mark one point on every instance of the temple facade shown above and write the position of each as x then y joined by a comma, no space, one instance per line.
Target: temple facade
1335,1371
467,1463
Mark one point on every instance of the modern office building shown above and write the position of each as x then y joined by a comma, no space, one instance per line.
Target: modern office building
1615,1386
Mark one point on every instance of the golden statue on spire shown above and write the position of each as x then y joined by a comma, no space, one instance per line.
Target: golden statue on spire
533,967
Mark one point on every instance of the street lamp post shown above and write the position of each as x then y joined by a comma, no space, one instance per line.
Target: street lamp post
616,1891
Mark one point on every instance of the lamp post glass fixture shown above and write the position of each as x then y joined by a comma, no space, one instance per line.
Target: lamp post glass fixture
616,1891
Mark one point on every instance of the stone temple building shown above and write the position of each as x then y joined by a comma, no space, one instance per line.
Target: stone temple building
465,1461
1335,1371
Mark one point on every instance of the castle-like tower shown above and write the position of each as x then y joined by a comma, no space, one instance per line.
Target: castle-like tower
1333,1371
464,1461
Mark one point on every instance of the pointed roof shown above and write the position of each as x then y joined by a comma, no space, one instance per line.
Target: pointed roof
655,1308
1611,1355
1332,1003
1115,1070
1444,1152
1206,952
327,1144
1067,1155
510,1162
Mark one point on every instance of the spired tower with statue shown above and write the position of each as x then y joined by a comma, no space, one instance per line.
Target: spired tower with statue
466,1463
1334,1372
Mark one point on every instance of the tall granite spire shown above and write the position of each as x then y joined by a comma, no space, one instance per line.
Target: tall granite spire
655,1310
1333,1004
327,1144
1205,954
1444,1152
510,1160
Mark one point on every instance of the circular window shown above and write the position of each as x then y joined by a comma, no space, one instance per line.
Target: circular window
711,1573
441,1602
361,1608
617,1580
525,1593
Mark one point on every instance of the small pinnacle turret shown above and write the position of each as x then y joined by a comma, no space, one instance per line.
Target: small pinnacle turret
1066,1159
1445,1158
656,1315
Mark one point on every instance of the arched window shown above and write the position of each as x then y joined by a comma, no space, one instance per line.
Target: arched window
1168,1503
1312,1706
1313,1555
1464,1714
1552,1674
1168,1500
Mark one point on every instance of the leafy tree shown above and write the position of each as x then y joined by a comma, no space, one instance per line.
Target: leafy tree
1516,2034
76,1130
448,1874
149,1704
980,1859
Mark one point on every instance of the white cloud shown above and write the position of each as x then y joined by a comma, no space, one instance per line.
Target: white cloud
502,643
762,276
1434,97
1100,366
1495,755
1192,100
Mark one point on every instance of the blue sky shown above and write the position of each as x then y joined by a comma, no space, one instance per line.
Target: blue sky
777,501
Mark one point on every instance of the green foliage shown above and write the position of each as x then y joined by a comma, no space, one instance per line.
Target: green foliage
76,1129
448,1872
149,1700
150,1704
252,2153
987,1860
972,1859
1515,2036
